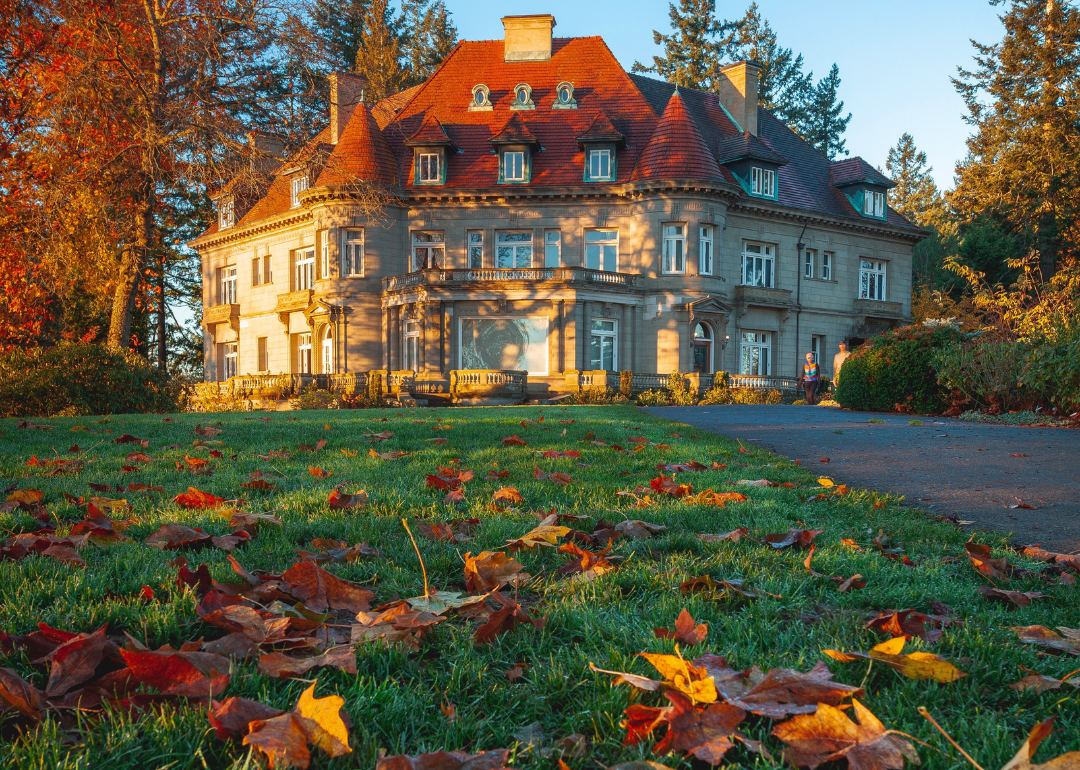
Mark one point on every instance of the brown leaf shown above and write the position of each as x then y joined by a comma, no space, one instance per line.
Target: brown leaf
386,455
207,431
723,589
340,500
283,739
18,694
799,538
587,563
449,531
639,529
686,631
506,494
517,671
1041,731
1039,683
828,734
178,536
514,441
504,619
733,536
446,760
319,590
128,439
278,665
706,734
75,661
905,623
1015,598
194,498
231,719
546,534
197,674
318,472
781,692
1068,641
488,571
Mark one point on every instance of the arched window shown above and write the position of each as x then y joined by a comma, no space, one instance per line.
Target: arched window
328,351
481,98
564,96
703,349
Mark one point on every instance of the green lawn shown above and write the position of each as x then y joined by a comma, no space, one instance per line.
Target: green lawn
396,700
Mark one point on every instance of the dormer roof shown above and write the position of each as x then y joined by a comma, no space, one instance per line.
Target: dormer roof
746,146
601,130
857,171
515,132
430,134
676,149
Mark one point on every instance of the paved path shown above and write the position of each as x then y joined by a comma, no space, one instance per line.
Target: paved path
971,470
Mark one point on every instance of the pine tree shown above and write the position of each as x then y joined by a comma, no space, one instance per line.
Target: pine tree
916,195
825,124
442,37
783,88
339,25
693,52
379,57
415,17
1023,162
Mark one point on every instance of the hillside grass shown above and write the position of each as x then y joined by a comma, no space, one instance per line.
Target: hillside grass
396,701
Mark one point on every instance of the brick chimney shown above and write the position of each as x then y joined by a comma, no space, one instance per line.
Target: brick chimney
346,91
739,93
527,38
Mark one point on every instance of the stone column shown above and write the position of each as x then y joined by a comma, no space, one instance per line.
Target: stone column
421,319
625,330
586,336
560,320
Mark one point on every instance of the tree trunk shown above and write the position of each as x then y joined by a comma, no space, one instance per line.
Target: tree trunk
131,270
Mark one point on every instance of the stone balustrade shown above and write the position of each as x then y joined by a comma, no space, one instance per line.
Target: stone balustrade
562,275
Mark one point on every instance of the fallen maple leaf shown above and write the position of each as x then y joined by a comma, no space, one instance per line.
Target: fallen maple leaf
260,485
277,665
1039,683
284,739
686,630
506,494
1022,759
489,571
562,479
668,486
720,499
733,536
320,590
318,472
1015,598
190,674
800,538
782,692
828,734
339,500
451,531
231,719
546,534
703,733
907,623
587,563
915,665
129,439
194,498
207,431
1067,641
723,589
504,620
386,455
446,760
639,529
514,441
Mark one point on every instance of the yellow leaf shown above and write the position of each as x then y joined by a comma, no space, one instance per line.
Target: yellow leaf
329,733
825,482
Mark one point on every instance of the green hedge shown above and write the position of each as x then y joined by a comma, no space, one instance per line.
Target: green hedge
79,379
894,372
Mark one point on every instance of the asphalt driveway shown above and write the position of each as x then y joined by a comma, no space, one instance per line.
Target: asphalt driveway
970,470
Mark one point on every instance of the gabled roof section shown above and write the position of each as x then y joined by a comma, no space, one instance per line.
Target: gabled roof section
601,130
360,154
385,110
857,171
746,146
278,197
430,134
676,149
515,132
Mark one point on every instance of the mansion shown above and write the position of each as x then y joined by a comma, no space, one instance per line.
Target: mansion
532,207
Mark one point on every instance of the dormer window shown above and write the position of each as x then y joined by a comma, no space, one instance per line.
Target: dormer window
564,97
523,97
513,166
299,184
600,165
763,182
429,167
874,204
481,98
226,214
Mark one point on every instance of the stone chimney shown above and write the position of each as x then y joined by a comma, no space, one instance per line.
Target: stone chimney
527,38
739,93
346,91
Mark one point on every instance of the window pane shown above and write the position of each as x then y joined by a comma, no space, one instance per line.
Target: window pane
611,255
592,257
504,256
602,326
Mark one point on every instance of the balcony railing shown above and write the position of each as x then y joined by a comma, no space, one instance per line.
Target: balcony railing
294,300
440,277
753,382
219,314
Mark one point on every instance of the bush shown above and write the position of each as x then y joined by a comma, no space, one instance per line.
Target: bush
723,396
312,397
596,396
626,384
654,398
894,372
81,379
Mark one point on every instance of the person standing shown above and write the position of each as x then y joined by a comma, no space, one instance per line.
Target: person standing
811,377
838,363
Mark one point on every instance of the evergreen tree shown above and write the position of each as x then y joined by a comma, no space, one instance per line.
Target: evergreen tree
693,52
442,36
1023,162
379,56
339,25
783,88
825,123
916,195
415,18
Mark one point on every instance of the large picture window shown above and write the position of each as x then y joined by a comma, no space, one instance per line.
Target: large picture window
514,249
428,250
674,249
758,265
305,270
352,252
517,343
604,345
754,354
872,279
602,250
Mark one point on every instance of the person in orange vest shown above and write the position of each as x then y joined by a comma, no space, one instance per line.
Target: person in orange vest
810,379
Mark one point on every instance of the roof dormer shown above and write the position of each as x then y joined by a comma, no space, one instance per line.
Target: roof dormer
600,143
753,164
515,146
866,188
430,145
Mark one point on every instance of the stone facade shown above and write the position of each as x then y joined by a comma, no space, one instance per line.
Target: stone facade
350,293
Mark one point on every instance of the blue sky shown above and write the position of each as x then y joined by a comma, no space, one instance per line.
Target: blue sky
896,59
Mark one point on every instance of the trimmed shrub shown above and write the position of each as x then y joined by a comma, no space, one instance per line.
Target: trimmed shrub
626,384
894,372
73,380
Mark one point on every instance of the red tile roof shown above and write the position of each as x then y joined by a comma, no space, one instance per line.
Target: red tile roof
515,132
361,153
676,149
430,134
